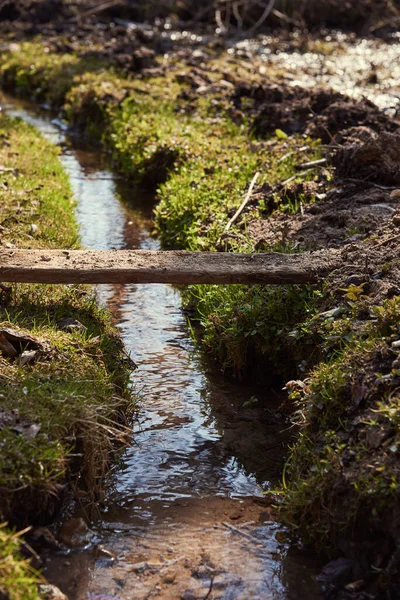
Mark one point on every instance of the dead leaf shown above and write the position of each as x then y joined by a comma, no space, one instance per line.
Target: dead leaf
75,533
27,357
28,431
6,347
358,394
69,324
31,432
21,341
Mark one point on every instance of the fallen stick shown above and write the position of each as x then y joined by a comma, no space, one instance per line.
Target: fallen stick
245,201
210,588
285,18
288,154
240,532
168,563
369,183
98,9
263,17
292,178
312,164
387,241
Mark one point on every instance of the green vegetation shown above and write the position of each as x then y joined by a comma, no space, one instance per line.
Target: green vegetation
343,472
249,327
18,581
62,409
44,76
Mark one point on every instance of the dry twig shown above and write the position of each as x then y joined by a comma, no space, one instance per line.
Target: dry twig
240,532
242,206
312,164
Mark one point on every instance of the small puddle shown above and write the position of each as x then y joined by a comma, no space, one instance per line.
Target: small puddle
185,516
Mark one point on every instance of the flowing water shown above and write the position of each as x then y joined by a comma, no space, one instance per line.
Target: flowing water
185,516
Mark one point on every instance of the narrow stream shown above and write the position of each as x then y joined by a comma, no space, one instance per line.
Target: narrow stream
185,516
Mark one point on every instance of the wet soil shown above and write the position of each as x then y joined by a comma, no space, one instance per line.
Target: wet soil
349,213
192,546
185,513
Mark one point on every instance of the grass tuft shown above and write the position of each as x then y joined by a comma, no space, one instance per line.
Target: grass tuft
18,581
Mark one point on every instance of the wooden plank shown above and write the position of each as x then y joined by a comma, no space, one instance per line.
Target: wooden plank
145,266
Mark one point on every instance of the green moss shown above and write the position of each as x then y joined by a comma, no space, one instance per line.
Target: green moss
342,477
35,193
32,71
18,581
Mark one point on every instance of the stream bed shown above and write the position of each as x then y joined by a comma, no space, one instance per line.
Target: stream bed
185,516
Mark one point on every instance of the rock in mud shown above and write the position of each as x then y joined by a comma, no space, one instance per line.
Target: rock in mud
336,572
188,596
69,324
51,592
75,533
169,578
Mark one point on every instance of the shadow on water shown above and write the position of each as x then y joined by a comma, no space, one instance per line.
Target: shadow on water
185,513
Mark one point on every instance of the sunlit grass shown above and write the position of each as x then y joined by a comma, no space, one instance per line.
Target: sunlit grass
18,581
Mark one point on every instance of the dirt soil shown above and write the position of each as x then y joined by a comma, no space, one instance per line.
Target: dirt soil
350,212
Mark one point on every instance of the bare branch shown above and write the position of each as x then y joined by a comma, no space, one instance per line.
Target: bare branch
263,17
